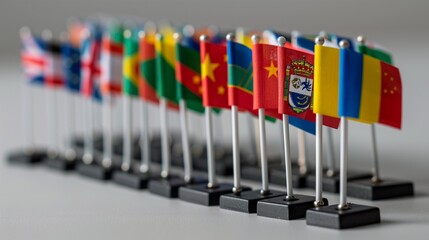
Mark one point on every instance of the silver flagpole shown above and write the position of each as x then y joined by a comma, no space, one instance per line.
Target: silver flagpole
344,150
107,133
127,144
286,140
319,150
263,144
165,146
235,140
187,157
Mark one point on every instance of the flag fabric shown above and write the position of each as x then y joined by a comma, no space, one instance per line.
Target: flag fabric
71,66
326,80
130,73
165,63
111,60
376,52
295,86
53,67
147,59
90,62
370,90
214,65
33,53
265,73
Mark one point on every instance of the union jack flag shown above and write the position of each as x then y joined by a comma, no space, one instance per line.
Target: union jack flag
33,57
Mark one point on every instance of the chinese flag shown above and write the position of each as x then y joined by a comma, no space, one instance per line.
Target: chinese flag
214,74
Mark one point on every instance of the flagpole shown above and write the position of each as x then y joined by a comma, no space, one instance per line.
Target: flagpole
263,144
144,138
235,141
88,122
187,158
319,150
127,144
344,150
210,151
376,167
165,171
107,133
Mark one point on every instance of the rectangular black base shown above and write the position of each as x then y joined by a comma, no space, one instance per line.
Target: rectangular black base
26,156
94,171
331,217
280,208
332,184
168,188
278,177
133,180
60,163
201,194
246,201
388,188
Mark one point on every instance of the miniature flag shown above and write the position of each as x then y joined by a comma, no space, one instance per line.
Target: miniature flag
54,72
111,60
214,66
33,58
188,76
90,63
370,90
265,77
130,77
326,79
71,66
147,59
295,86
165,63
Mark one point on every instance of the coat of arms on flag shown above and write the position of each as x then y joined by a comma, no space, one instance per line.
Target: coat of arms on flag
300,85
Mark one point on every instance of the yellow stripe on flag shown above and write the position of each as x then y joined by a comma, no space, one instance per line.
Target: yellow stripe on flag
166,47
326,78
130,64
371,90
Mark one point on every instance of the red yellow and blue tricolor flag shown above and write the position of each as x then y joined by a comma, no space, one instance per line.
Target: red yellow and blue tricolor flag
370,90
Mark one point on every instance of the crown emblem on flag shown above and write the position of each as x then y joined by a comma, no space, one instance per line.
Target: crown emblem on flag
302,67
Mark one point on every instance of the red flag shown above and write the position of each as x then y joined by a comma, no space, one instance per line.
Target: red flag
214,74
295,85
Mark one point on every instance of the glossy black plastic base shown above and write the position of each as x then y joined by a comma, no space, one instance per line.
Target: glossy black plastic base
133,180
246,201
282,208
388,188
332,184
201,194
60,163
94,171
26,156
331,217
169,187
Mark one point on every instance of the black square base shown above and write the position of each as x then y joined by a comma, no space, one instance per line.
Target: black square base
278,177
388,188
135,180
332,184
60,163
331,217
169,187
94,171
246,201
280,208
26,156
201,194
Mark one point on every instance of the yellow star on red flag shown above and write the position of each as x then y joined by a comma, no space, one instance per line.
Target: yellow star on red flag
208,68
272,70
